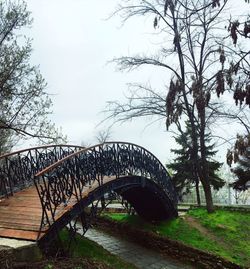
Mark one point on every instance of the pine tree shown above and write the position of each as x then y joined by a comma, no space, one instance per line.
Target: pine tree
185,174
240,155
242,171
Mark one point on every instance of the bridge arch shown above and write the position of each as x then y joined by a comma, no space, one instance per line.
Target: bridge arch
68,186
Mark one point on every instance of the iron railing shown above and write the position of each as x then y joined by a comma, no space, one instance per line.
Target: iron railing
17,169
69,177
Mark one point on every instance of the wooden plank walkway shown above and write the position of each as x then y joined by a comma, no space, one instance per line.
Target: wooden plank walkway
20,214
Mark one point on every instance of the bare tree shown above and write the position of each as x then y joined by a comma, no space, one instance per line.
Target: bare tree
24,102
6,141
103,136
239,153
201,72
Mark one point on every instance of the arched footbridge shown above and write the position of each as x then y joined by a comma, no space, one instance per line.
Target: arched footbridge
43,189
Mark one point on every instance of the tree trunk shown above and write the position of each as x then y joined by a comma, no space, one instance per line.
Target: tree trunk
204,171
208,196
197,192
197,181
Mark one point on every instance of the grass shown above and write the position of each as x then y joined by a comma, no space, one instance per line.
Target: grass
230,232
232,228
85,248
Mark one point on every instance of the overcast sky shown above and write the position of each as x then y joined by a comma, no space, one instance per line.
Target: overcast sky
72,43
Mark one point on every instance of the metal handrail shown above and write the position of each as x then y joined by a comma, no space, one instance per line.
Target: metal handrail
84,149
17,169
37,148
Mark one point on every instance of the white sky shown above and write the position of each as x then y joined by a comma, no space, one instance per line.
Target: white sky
72,43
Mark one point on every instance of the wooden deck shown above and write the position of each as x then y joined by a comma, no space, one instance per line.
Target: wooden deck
20,215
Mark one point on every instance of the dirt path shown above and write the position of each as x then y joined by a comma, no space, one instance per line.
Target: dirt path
195,224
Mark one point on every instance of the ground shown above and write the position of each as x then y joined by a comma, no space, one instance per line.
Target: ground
83,254
64,263
223,233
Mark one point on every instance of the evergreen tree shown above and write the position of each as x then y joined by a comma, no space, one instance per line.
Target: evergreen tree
185,174
241,156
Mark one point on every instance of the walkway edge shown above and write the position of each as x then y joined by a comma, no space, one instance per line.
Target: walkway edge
18,251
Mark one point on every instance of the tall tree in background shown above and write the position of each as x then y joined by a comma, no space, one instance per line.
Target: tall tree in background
193,36
103,136
24,102
242,171
185,174
240,154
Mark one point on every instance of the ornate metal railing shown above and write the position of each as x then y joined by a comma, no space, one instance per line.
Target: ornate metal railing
17,169
68,178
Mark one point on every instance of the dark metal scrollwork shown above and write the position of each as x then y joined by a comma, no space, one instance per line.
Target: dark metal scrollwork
17,169
67,180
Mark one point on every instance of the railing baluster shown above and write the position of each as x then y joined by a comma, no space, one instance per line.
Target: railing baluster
17,169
